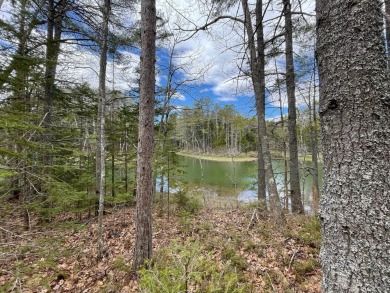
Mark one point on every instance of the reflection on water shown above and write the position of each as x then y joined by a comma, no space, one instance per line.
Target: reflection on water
239,178
247,196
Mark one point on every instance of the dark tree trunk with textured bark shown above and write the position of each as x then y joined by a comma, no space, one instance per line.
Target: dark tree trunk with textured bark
258,80
260,103
55,16
143,241
355,121
295,189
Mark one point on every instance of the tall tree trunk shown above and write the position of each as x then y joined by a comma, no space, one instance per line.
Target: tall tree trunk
295,189
260,106
355,121
285,160
55,15
126,162
101,163
143,241
258,80
113,172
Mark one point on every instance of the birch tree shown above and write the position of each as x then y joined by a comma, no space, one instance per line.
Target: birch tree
355,121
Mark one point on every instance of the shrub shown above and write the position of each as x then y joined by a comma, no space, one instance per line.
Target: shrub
187,204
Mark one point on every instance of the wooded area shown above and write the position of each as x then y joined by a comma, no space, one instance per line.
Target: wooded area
91,189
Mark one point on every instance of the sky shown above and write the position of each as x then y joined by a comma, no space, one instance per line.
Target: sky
221,49
207,63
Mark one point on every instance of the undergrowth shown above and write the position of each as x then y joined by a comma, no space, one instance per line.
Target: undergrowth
188,267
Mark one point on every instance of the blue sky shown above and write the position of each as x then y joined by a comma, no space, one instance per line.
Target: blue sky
209,61
221,48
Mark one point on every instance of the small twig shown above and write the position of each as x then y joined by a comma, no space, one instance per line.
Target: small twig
29,220
252,219
13,233
16,283
272,285
292,258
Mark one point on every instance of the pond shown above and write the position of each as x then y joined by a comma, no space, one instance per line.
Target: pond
239,178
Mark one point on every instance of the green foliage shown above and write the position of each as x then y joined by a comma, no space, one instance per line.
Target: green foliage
121,198
6,173
121,265
310,234
304,267
209,128
187,267
187,204
229,254
56,175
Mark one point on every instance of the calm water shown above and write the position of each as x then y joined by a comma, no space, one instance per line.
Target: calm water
238,178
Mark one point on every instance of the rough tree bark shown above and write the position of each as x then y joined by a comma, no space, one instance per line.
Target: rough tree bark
143,241
355,121
260,104
101,139
295,189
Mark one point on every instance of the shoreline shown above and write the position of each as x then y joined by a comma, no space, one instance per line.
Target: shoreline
218,158
238,158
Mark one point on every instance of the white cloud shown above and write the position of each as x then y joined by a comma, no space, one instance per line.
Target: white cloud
79,66
221,44
6,10
178,96
215,55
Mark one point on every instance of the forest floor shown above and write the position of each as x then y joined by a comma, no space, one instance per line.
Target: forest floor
234,245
